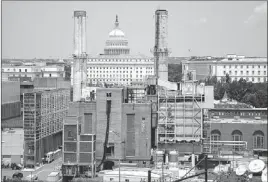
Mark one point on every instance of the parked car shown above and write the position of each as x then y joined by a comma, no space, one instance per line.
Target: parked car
15,166
17,175
32,177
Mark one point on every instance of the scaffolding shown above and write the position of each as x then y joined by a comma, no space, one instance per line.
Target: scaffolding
180,114
42,116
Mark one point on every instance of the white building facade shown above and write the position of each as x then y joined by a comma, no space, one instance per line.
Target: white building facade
32,71
252,69
116,65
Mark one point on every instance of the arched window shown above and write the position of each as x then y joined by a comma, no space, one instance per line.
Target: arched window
215,136
237,136
258,139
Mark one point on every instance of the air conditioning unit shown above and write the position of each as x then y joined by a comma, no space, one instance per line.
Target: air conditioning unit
258,118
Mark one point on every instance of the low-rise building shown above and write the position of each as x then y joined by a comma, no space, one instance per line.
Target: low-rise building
31,71
12,146
253,69
235,129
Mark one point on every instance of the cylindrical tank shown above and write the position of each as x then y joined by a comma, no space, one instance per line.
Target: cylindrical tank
173,159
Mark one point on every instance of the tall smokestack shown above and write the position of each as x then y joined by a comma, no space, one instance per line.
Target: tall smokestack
160,48
80,56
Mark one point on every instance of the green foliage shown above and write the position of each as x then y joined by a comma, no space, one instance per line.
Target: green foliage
174,72
254,94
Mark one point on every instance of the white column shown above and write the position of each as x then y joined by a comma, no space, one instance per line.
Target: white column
193,160
84,34
80,35
76,33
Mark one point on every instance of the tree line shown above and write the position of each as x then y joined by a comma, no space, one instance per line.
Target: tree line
254,94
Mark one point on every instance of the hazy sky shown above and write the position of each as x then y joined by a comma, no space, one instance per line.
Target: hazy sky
45,29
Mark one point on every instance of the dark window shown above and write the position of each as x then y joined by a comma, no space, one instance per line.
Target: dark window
258,139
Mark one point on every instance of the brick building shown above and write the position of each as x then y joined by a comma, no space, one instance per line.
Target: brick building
242,128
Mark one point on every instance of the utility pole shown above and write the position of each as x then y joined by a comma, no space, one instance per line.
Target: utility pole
206,168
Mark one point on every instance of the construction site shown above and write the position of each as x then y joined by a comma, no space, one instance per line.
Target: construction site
153,129
43,116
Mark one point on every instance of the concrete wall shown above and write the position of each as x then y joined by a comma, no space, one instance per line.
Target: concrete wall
209,98
247,130
10,110
12,145
51,83
142,124
115,120
79,109
10,92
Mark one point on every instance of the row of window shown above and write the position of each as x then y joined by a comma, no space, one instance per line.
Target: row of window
114,80
19,75
236,113
247,66
252,79
113,76
241,72
119,68
137,72
120,60
258,138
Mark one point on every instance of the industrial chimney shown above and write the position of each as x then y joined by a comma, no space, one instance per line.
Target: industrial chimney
160,48
79,55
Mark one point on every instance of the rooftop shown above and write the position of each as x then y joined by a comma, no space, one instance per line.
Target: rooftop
237,121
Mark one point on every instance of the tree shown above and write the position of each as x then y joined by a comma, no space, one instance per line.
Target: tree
254,94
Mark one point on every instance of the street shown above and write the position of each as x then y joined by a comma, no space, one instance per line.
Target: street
42,172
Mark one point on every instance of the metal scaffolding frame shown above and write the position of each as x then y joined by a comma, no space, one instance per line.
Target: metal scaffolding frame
42,116
179,115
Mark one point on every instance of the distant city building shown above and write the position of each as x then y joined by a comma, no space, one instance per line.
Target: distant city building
10,72
116,65
252,69
43,116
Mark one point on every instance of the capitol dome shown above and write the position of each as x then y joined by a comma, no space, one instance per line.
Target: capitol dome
116,44
116,33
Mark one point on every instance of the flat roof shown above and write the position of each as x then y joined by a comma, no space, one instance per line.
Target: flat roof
241,120
239,109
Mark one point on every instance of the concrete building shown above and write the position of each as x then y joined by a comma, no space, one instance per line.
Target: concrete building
253,69
235,129
130,124
43,116
11,72
117,65
79,141
10,105
12,146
